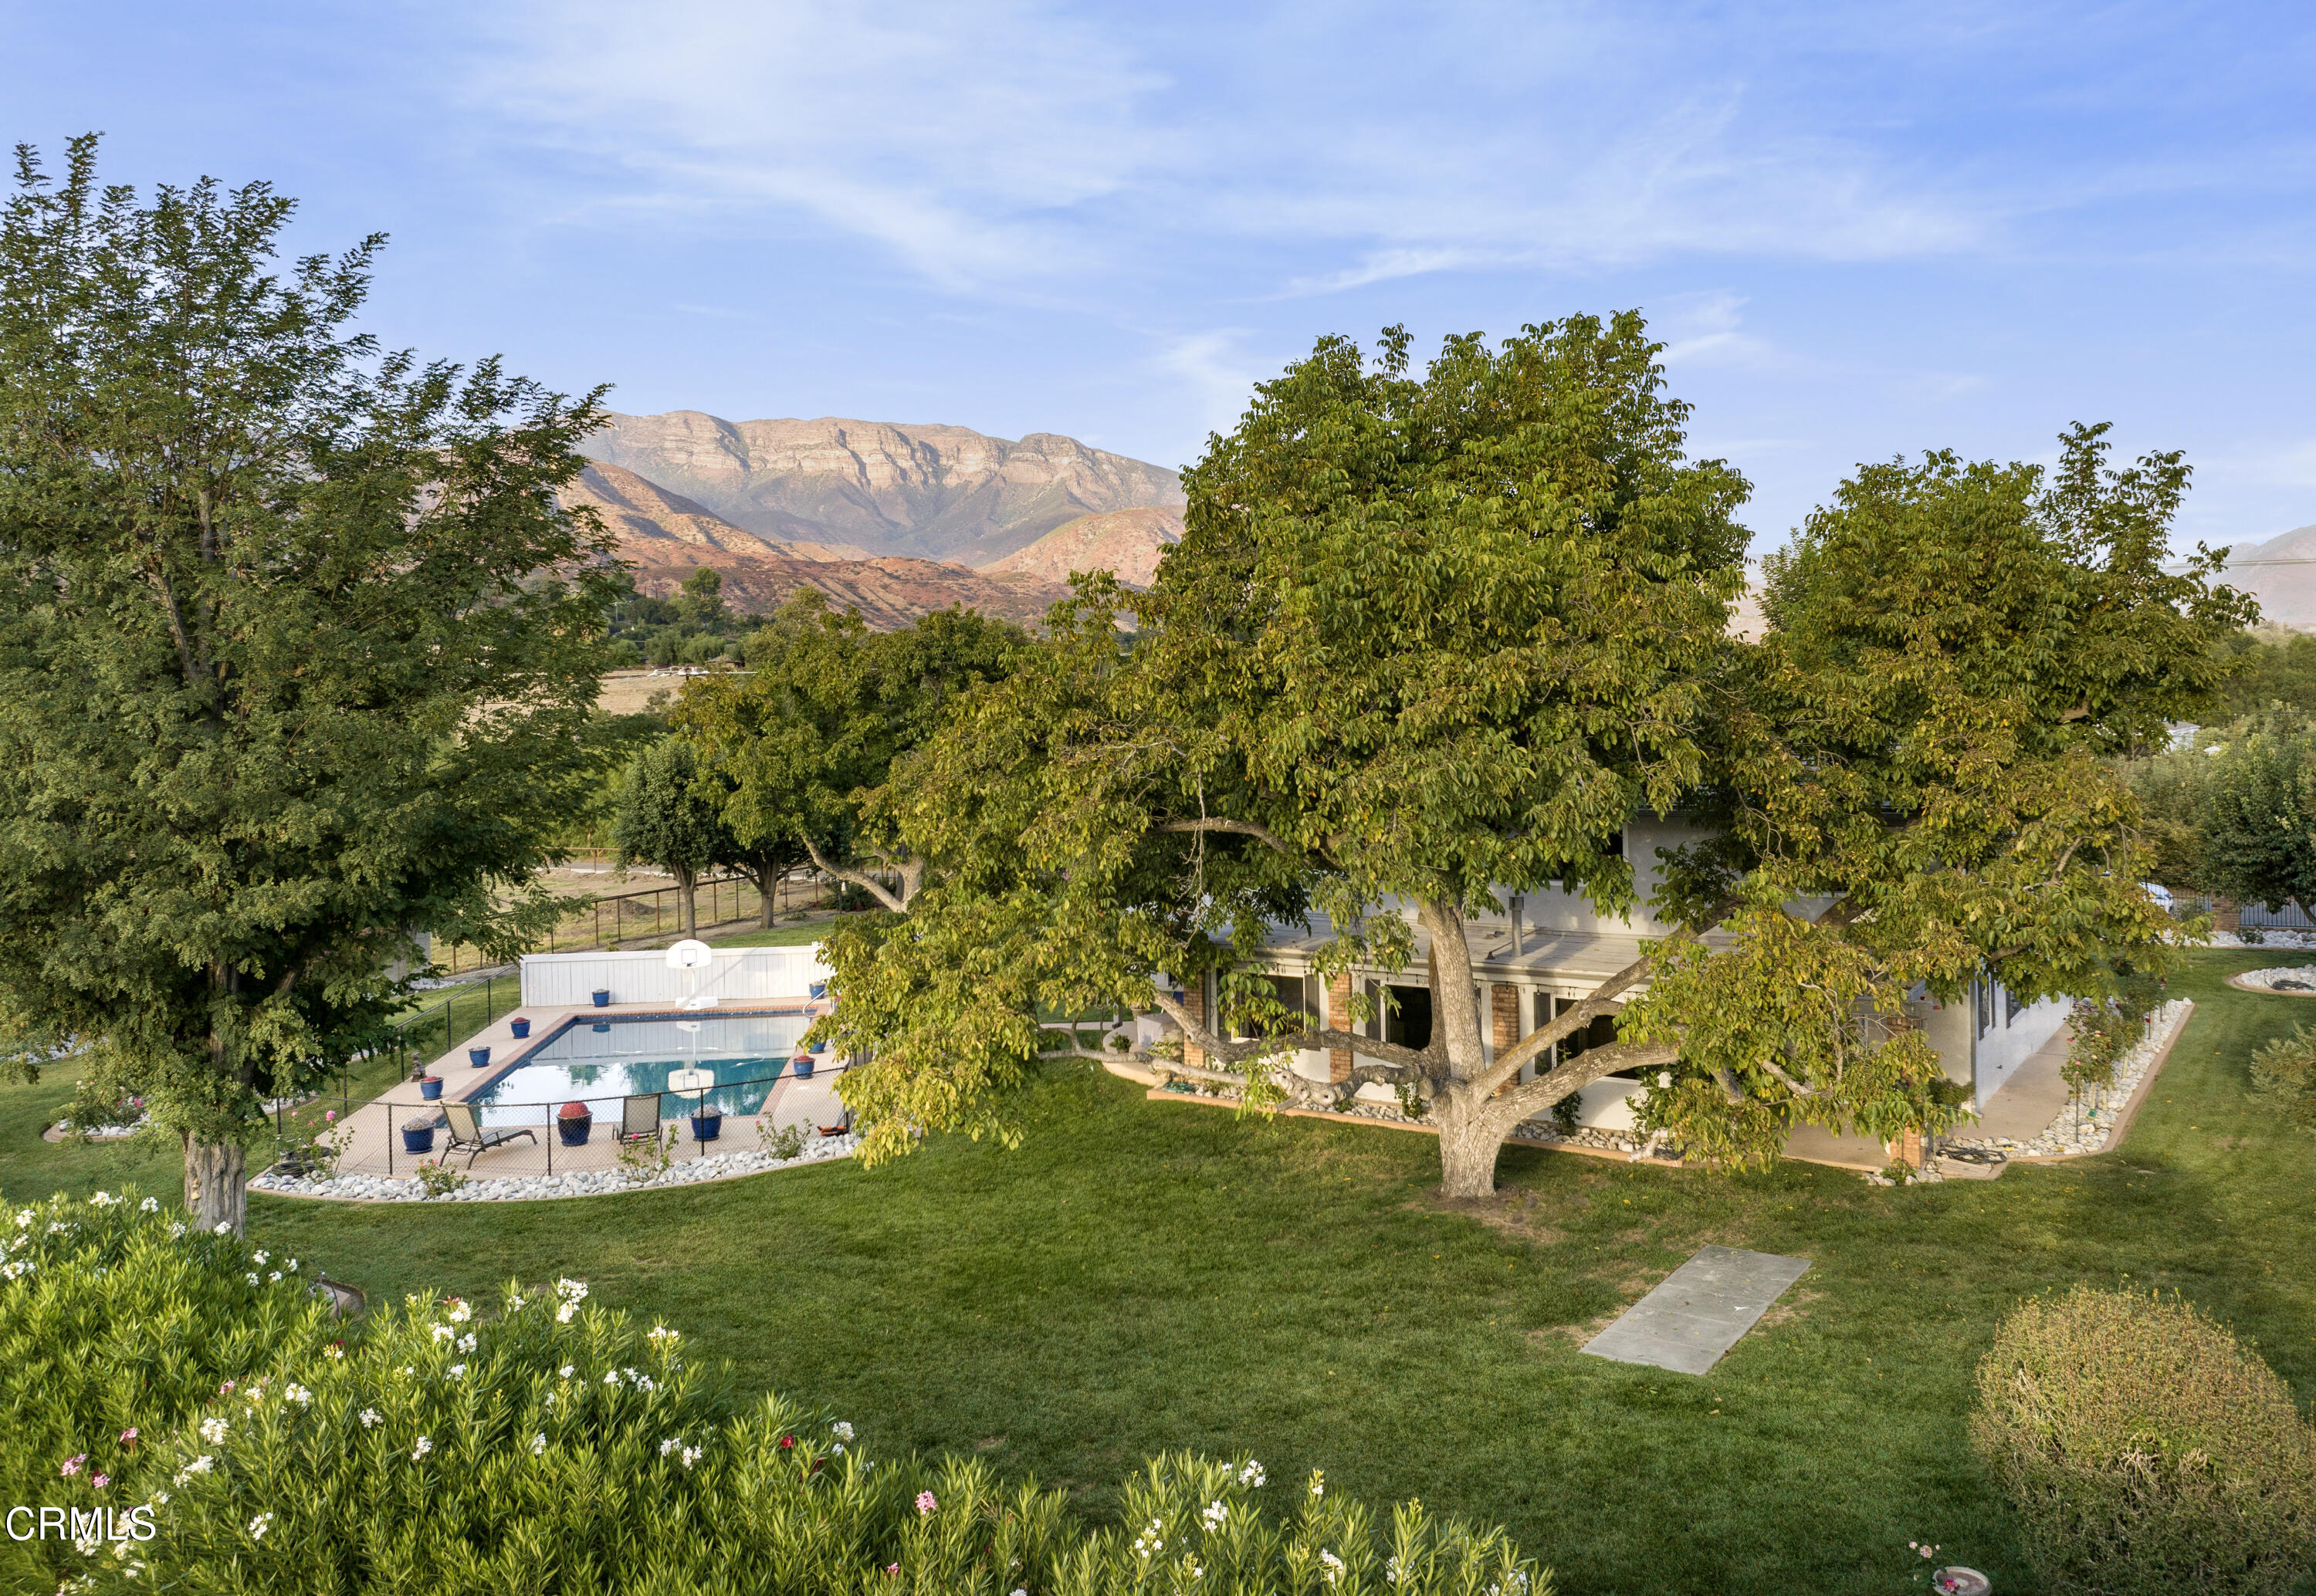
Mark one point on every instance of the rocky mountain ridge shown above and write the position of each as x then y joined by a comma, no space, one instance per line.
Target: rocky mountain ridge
939,493
1126,541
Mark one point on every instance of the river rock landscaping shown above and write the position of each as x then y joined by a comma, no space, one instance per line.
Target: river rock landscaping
2081,1130
584,1183
2282,978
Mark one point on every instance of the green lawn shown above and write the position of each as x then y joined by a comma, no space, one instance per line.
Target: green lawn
1141,1275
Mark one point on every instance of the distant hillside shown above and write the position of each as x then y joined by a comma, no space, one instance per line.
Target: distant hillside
1126,541
2286,593
666,537
936,492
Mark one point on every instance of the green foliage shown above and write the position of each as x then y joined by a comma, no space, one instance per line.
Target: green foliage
118,1325
2236,815
2145,1450
554,1446
2273,667
440,1176
671,814
287,668
2284,1076
785,1141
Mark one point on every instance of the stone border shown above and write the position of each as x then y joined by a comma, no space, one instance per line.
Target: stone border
595,1183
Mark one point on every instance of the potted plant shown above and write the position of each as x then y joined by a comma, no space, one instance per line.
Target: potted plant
418,1134
707,1122
801,1066
430,1087
519,1026
478,1056
603,997
573,1121
819,990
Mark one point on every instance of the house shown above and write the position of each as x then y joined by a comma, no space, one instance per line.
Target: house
1550,950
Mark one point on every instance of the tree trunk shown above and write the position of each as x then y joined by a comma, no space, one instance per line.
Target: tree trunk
683,885
217,1184
767,884
1470,1137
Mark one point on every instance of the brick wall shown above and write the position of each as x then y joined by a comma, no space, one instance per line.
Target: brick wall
1339,1016
1504,1026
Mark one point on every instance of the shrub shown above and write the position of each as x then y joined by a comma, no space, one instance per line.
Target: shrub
117,1325
555,1448
2283,1075
2145,1450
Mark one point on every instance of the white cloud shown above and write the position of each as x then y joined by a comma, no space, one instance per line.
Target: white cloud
1017,145
1218,374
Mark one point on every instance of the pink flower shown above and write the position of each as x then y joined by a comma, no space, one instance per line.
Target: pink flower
101,1481
71,1465
925,1503
225,1388
128,1438
892,1568
328,1115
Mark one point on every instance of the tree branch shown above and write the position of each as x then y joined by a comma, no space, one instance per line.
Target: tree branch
868,883
1391,1053
1232,827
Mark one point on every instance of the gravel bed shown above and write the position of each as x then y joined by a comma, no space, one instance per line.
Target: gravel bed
2281,977
2090,1129
583,1183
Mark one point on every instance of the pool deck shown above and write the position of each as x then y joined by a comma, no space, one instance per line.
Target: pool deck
375,1147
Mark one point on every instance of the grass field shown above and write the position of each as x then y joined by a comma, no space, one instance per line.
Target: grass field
1141,1275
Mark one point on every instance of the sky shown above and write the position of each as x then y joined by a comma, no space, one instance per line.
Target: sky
1861,231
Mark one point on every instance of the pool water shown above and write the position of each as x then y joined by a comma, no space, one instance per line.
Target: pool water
600,1062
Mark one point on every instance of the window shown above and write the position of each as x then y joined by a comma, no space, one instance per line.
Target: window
1981,995
2010,1007
1409,1023
1292,992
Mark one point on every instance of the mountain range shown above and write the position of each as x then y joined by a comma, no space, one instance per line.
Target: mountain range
2286,591
888,519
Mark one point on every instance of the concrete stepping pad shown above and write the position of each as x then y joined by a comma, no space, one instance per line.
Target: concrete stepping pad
1699,1310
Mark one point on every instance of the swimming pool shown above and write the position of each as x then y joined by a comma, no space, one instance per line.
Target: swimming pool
602,1062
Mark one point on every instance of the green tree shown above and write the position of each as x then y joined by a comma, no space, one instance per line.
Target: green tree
1431,639
298,654
700,602
815,726
2255,812
671,815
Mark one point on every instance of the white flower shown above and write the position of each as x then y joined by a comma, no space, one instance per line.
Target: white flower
460,1312
515,1304
259,1525
150,1205
1318,1482
611,1378
223,1229
200,1465
1332,1563
1214,1517
423,1446
260,1254
538,1443
564,1372
563,1315
669,1445
335,1352
102,1200
840,1430
295,1393
643,1382
176,1229
690,1456
371,1418
456,1370
442,1332
571,1290
662,1332
213,1429
23,1218
1252,1475
252,1278
292,1266
275,1276
1391,1570
467,1342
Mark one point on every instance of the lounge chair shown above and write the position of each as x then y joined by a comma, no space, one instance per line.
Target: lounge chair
467,1132
639,1117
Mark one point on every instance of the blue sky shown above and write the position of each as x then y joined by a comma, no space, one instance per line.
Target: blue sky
1862,230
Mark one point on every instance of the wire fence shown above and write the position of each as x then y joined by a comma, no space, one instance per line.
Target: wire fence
605,921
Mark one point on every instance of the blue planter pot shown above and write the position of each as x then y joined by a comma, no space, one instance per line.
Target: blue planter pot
603,997
819,989
522,1028
706,1127
573,1133
418,1141
431,1088
478,1056
801,1066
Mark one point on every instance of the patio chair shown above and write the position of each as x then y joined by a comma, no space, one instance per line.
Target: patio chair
639,1117
467,1132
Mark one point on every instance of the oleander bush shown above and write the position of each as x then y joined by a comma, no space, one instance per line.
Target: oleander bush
2284,1076
117,1326
2146,1450
552,1447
